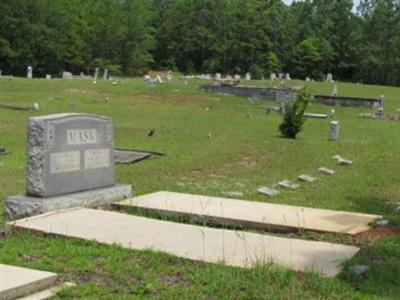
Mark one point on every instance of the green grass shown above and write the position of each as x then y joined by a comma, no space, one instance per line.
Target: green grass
244,153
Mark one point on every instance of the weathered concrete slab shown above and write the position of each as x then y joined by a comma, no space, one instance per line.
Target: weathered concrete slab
234,248
251,213
50,292
17,282
24,206
326,171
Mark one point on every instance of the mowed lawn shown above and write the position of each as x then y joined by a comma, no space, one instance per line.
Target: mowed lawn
214,145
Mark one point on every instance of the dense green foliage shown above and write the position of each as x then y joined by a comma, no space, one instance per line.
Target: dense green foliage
309,38
293,118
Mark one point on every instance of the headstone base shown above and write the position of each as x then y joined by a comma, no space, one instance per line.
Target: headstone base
24,206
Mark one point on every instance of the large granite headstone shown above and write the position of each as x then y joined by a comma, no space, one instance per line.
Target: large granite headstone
70,162
69,153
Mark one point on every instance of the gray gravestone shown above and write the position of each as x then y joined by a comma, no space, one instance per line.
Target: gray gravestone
70,163
333,130
69,153
105,74
96,73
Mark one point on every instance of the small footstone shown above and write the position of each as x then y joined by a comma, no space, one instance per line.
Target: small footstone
234,194
307,178
382,223
344,162
288,184
359,270
268,191
326,171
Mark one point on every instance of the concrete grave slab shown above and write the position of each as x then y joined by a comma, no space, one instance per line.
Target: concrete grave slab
251,213
234,248
18,282
50,292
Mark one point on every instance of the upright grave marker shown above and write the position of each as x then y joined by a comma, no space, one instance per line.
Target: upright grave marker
68,153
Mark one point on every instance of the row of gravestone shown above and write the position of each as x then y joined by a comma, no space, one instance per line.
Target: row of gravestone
69,75
288,184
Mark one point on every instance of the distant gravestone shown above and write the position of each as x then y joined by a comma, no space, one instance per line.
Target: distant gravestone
48,76
329,77
281,76
217,75
248,76
29,72
272,76
96,73
334,90
0,73
228,77
287,76
237,77
70,162
67,75
334,130
105,74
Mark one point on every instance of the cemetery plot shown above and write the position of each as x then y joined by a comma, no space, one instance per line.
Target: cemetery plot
18,282
234,248
250,213
126,156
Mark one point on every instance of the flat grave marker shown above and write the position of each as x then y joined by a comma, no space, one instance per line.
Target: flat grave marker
230,247
260,215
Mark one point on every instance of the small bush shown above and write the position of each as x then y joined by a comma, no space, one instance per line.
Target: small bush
293,118
256,72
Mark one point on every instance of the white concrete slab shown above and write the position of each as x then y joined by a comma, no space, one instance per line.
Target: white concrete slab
234,248
46,294
17,282
252,213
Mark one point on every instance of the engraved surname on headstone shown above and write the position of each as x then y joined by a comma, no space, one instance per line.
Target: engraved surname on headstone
97,159
64,162
81,136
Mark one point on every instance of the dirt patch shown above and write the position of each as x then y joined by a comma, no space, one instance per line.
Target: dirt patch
172,280
246,162
372,235
96,278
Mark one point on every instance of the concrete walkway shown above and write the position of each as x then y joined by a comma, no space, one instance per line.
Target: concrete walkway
234,248
18,282
252,213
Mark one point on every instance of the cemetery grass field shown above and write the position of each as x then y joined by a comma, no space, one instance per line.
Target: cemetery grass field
214,145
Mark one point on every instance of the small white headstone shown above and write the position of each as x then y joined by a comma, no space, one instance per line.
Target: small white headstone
105,74
217,75
334,130
237,77
248,76
287,76
29,72
48,76
272,76
329,78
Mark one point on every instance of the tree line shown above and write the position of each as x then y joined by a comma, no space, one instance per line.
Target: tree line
308,38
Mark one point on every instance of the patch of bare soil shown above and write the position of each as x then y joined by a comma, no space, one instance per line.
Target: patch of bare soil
372,235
